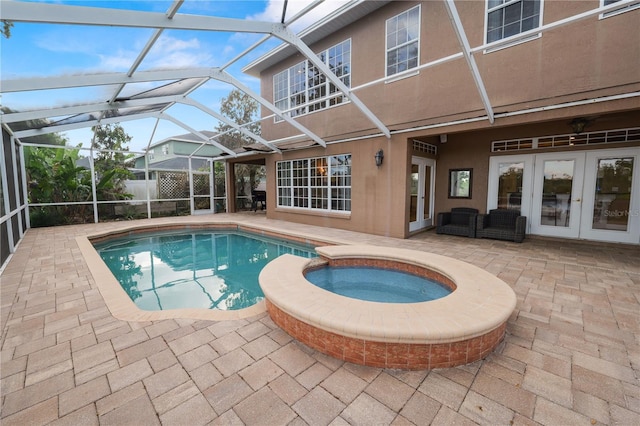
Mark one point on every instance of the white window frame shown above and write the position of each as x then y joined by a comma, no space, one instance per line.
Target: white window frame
284,82
309,184
502,40
623,9
401,45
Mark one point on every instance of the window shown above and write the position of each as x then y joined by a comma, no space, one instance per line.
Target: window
506,18
302,88
617,11
460,183
403,41
321,183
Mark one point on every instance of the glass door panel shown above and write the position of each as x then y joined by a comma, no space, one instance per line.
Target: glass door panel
510,176
612,193
421,193
557,182
426,195
612,196
557,194
413,208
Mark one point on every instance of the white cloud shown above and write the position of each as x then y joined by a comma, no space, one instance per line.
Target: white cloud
273,12
116,61
167,52
171,44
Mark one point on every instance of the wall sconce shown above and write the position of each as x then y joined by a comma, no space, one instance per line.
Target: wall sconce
578,124
379,157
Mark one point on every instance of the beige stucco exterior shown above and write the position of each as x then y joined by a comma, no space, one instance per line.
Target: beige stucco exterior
588,68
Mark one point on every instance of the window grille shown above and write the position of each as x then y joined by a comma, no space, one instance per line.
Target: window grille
302,88
420,146
506,18
403,41
559,141
320,183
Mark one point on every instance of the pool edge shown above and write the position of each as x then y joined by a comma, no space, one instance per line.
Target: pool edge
457,329
120,304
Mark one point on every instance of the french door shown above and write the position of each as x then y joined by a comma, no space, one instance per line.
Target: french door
557,194
612,192
422,192
592,195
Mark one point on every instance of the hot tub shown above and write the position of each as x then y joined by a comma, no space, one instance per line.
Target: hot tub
460,328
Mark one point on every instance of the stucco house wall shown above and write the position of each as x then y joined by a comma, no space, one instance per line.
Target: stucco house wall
535,88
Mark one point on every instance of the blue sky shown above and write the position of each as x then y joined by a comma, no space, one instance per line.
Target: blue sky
37,50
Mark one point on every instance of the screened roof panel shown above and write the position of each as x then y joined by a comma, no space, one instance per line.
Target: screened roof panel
74,119
122,112
53,99
99,60
180,87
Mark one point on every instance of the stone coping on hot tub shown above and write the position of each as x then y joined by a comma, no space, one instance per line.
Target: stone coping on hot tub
120,304
480,304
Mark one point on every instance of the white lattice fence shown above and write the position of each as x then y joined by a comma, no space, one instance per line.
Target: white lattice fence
201,184
173,185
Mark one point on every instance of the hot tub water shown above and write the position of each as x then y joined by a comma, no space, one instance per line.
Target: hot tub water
377,284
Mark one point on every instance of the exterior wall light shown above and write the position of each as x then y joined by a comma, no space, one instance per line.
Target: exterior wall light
578,124
379,157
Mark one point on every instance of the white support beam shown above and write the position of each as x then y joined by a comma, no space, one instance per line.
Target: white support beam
411,71
14,117
84,80
288,36
466,51
171,12
82,125
105,106
220,117
4,182
197,133
290,21
228,78
19,11
245,52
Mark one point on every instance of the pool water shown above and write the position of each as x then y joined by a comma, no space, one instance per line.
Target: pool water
194,269
377,284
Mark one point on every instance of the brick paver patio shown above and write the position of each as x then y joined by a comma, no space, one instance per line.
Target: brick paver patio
571,354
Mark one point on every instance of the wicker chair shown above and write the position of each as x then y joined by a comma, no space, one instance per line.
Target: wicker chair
258,197
501,224
459,221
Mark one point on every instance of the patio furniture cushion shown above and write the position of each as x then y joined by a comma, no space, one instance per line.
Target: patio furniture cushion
501,224
459,221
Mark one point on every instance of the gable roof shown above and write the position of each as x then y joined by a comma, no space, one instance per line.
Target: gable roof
187,137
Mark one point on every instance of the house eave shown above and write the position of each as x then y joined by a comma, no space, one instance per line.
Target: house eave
340,18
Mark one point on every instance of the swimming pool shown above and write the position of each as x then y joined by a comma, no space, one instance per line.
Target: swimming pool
210,269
